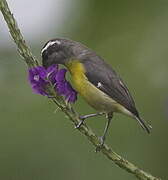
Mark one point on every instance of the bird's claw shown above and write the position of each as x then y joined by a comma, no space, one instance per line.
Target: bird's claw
100,146
79,125
80,122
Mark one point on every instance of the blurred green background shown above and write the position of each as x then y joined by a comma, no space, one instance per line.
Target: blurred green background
38,144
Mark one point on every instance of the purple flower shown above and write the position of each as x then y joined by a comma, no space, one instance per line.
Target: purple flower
37,80
70,94
61,75
52,72
40,78
61,82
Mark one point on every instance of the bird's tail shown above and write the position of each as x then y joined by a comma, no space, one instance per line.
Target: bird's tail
147,127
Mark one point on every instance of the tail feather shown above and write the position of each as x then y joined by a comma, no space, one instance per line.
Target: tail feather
144,124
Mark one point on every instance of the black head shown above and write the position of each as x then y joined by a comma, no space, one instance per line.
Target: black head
59,51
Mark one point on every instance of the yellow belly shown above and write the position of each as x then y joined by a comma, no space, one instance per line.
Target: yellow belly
94,97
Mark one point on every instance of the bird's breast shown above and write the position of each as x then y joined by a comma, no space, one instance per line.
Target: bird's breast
94,97
79,79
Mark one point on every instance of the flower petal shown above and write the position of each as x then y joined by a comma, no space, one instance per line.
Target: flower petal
72,97
52,68
52,73
60,77
70,94
36,73
61,88
37,79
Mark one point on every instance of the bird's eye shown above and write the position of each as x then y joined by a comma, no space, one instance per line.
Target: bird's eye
54,48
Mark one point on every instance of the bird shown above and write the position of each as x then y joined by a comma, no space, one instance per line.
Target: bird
95,80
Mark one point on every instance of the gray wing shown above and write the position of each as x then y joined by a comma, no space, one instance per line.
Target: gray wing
97,71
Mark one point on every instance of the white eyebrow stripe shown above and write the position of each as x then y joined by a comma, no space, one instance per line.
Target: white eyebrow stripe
50,44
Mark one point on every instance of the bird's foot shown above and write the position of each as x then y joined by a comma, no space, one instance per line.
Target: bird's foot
82,119
100,146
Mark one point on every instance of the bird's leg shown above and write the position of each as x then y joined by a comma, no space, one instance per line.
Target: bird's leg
103,137
82,118
91,115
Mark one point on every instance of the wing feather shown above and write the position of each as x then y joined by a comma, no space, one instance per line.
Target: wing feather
97,71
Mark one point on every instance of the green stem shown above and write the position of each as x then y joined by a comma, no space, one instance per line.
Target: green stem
30,60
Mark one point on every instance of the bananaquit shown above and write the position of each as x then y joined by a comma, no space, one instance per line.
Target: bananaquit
93,79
